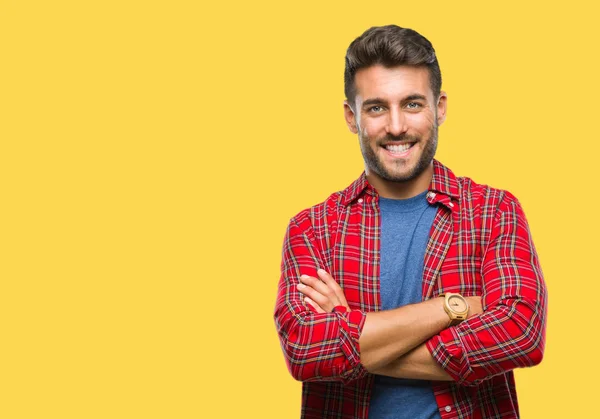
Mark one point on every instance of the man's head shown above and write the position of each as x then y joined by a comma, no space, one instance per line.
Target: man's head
394,103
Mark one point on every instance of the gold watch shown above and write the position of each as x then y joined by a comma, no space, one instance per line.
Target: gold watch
456,306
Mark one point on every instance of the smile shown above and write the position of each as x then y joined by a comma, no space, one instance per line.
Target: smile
399,150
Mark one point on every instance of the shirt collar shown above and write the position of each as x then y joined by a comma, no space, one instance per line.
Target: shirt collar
443,182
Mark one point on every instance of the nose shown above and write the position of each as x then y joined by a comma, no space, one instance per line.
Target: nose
397,122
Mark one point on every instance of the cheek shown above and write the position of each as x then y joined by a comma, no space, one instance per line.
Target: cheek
422,121
372,128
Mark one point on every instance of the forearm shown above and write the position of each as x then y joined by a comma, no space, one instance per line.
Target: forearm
388,335
322,347
417,364
505,337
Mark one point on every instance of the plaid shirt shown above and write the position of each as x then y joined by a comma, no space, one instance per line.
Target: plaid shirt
479,245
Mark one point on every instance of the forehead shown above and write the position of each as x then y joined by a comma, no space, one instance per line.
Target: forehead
391,83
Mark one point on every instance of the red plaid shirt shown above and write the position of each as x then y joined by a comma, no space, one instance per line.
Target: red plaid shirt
479,245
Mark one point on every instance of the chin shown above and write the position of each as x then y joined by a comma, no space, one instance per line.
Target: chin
400,177
405,175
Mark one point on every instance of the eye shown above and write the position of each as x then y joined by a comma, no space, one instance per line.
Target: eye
413,105
376,109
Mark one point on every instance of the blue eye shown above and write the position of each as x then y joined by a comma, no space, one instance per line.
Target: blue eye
375,109
413,105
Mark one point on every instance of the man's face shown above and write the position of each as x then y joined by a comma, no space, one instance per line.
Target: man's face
396,117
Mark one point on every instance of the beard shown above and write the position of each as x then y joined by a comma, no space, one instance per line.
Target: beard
375,164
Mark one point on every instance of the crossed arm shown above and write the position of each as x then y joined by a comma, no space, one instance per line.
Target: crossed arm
392,341
331,345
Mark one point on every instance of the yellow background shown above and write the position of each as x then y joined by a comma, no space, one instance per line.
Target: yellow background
152,153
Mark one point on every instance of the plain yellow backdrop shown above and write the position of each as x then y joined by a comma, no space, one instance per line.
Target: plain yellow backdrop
152,153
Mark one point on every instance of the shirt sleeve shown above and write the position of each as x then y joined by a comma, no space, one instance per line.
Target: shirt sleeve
510,333
316,346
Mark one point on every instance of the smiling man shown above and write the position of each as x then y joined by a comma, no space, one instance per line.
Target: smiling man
412,293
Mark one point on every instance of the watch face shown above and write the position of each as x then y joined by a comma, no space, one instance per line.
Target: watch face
457,304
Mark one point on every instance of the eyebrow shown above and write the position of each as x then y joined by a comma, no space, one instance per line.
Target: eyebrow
415,97
374,101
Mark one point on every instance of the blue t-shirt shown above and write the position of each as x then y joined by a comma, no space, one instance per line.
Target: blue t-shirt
405,227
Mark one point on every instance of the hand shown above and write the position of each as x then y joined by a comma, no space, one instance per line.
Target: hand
322,293
475,307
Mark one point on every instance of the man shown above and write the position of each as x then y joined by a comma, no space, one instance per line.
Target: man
412,293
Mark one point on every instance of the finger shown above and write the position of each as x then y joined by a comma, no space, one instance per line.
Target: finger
475,305
333,285
324,302
313,305
321,287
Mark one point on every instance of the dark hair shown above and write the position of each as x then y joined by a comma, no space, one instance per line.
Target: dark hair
390,46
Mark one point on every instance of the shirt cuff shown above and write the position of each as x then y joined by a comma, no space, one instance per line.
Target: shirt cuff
447,349
352,324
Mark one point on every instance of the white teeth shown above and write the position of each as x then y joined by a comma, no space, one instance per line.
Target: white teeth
397,148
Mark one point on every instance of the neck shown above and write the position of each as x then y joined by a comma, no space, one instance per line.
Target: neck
401,190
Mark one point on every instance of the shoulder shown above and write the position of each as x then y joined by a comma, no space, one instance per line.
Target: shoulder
322,218
484,198
326,212
319,214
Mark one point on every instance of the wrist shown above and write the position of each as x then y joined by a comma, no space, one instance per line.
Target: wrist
456,307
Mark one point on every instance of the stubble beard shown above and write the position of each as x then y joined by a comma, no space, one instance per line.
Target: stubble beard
374,164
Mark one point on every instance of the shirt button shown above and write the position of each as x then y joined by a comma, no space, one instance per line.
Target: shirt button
447,408
431,195
451,205
360,200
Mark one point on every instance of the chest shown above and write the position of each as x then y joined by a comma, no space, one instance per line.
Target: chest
451,263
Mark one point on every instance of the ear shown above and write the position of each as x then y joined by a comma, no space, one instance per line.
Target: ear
350,118
442,105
